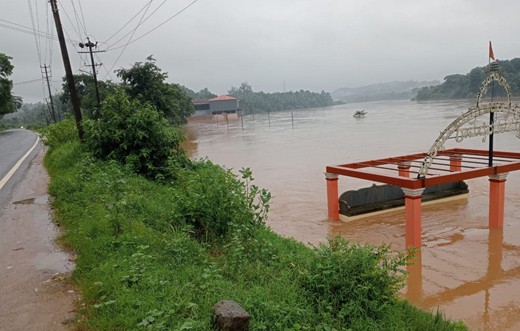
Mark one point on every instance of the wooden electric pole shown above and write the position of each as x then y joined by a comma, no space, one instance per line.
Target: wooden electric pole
53,113
66,63
90,44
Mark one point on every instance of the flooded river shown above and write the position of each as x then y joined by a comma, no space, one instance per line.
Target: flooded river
465,269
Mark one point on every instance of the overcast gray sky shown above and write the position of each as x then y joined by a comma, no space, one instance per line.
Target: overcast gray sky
311,44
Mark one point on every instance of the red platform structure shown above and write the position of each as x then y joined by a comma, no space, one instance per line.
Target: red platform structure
413,173
449,166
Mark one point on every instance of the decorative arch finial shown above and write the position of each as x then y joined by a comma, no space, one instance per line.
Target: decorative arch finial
470,117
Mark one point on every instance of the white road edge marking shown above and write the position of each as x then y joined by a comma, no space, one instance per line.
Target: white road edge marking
17,165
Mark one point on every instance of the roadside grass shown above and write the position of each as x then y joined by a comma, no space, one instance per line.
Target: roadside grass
156,255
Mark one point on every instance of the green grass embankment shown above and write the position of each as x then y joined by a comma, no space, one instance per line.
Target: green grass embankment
157,255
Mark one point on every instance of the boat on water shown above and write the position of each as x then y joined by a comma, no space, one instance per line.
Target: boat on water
360,113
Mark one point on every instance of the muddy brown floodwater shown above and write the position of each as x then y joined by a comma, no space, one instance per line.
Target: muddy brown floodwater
465,269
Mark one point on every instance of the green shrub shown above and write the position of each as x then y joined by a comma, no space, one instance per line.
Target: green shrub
134,134
213,200
36,126
60,133
353,281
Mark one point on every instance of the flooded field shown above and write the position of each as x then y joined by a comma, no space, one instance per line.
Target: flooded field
468,271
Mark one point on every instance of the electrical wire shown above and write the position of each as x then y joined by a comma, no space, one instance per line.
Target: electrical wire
28,30
77,19
172,17
82,16
78,33
47,42
28,82
146,19
37,41
129,38
38,21
34,31
112,36
108,72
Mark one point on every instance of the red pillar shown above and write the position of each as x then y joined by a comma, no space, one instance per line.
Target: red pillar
497,189
332,196
404,169
455,162
412,200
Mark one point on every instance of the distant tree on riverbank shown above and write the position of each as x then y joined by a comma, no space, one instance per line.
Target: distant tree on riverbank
203,94
255,102
397,90
467,86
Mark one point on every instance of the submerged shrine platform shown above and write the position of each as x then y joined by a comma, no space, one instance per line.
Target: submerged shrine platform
415,172
449,166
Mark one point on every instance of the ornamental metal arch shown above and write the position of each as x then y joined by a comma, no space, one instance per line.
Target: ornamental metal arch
470,117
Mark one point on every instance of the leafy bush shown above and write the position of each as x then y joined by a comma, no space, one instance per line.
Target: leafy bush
134,134
60,133
351,281
213,199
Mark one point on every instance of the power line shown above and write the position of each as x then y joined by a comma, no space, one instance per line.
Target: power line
82,16
179,12
28,30
146,19
130,38
36,39
38,22
66,14
112,36
108,72
47,42
28,82
77,19
34,31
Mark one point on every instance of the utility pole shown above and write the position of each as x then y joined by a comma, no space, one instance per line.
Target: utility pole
66,63
90,44
50,94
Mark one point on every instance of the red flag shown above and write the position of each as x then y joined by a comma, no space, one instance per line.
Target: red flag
491,55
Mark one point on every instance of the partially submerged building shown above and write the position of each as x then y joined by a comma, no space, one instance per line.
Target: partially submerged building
223,104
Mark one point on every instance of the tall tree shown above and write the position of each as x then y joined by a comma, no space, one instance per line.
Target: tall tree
147,83
86,90
8,102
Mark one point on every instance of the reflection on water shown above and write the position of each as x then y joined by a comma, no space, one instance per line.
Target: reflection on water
463,268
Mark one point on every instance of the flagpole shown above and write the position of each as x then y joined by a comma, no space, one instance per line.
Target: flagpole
491,113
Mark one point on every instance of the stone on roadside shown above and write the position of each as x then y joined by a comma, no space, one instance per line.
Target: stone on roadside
229,316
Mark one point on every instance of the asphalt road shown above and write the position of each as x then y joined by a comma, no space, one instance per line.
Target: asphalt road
14,144
35,291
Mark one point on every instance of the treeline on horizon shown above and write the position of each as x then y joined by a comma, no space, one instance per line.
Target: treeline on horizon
467,86
396,90
257,102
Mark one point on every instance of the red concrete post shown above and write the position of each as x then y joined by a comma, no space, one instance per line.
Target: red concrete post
404,169
332,196
412,199
497,189
455,162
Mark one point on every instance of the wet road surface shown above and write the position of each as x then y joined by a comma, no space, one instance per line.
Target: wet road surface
34,292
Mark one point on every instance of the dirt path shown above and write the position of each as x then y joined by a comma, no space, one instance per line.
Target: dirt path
33,294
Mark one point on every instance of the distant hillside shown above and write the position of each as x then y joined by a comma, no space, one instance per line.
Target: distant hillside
382,91
467,86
